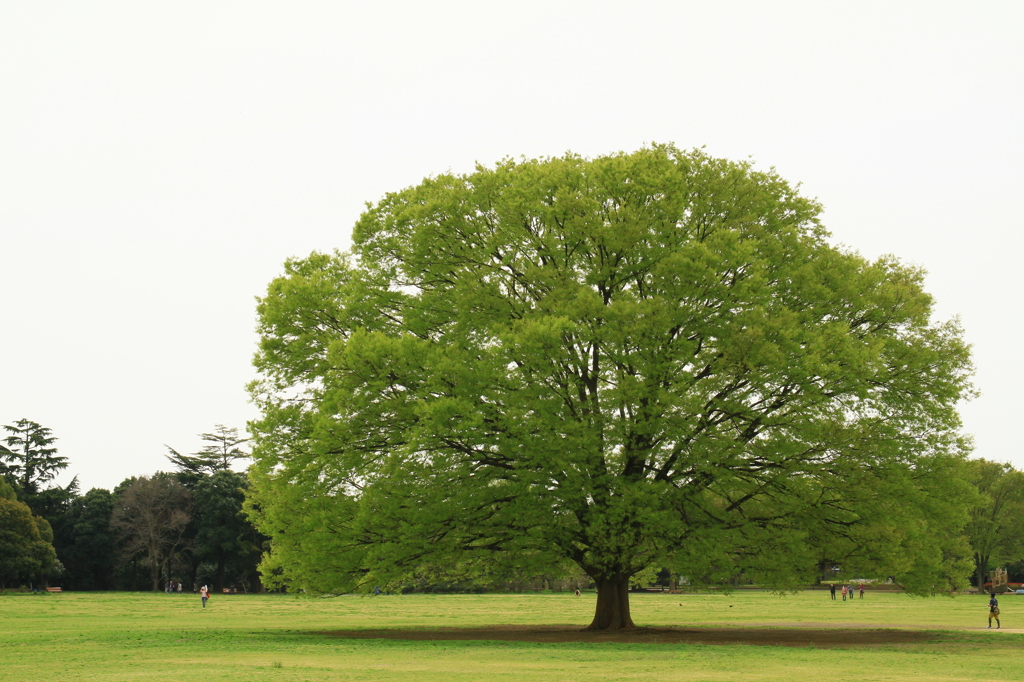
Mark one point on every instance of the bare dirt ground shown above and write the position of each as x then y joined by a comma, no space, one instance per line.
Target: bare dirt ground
801,636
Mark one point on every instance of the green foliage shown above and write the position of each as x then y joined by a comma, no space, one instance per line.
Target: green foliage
219,533
86,544
150,518
220,450
6,491
223,533
51,503
996,526
26,541
30,458
642,360
6,456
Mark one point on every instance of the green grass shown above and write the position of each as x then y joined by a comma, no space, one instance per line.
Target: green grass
133,636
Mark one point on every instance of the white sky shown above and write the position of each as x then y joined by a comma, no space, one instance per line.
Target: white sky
159,164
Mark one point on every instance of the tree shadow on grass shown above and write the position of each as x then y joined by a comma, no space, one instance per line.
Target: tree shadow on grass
757,636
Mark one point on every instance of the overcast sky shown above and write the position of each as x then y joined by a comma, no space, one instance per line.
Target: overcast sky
159,164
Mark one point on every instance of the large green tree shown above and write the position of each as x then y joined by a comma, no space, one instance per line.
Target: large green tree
642,359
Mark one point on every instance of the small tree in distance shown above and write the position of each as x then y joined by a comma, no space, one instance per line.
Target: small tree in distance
646,359
221,449
31,459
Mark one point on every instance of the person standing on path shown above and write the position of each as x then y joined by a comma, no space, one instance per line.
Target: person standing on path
993,611
832,590
205,594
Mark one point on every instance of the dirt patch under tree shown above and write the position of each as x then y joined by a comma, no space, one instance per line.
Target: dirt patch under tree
761,636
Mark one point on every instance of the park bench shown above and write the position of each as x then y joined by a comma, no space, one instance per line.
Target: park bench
53,589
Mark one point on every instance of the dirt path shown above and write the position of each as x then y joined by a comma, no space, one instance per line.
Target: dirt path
809,634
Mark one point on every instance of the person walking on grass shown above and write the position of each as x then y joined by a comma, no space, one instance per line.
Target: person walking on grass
862,590
993,611
205,594
844,592
832,591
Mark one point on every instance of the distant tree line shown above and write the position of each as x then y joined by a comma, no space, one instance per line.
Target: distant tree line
186,525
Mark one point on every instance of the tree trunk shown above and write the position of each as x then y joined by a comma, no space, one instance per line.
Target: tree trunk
980,566
193,571
612,611
218,584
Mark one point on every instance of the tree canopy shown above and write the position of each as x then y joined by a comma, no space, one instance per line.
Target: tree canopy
645,359
996,523
26,541
85,542
220,449
223,533
150,516
31,458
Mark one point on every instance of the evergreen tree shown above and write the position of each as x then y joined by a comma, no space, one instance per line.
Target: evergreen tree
220,450
30,458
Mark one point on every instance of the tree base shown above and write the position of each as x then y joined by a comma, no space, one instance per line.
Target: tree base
612,612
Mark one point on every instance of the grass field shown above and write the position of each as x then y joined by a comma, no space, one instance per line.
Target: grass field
143,636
